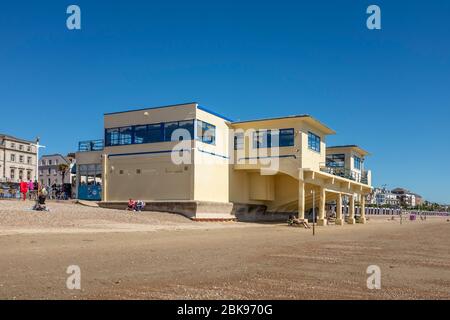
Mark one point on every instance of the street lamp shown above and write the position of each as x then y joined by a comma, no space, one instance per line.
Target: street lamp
37,145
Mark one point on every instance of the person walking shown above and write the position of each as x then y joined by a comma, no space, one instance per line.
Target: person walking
23,189
30,190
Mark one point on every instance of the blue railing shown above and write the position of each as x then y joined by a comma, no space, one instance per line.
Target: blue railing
92,145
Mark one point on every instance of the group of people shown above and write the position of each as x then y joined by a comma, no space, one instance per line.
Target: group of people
35,191
29,188
135,205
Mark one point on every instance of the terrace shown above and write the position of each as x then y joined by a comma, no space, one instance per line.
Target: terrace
361,177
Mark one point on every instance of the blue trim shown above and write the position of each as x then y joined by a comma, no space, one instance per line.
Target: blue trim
141,153
266,157
213,113
213,154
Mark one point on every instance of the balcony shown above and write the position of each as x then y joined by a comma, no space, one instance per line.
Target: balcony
92,145
347,174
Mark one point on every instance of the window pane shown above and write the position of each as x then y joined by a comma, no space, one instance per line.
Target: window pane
155,133
140,134
313,142
206,132
238,141
209,133
286,137
357,162
189,126
112,137
169,128
126,134
260,139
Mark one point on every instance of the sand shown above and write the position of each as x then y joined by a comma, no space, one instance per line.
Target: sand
166,256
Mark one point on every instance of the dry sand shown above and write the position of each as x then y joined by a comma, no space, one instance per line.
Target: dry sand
165,256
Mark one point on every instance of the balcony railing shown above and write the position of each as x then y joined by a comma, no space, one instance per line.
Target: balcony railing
346,173
92,145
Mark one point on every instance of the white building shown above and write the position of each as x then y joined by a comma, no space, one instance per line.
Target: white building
17,159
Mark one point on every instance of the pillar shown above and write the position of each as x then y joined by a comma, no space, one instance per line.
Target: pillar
301,200
322,221
104,178
362,218
339,218
351,218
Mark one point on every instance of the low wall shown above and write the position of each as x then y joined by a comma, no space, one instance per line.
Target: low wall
195,210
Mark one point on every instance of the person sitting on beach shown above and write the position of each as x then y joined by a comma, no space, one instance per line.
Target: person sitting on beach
40,202
139,205
131,205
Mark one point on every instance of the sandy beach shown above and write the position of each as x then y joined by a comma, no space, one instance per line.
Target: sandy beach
166,256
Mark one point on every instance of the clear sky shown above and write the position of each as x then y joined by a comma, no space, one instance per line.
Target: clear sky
386,90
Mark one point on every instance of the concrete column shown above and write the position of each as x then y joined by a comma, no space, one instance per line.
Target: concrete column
301,200
362,218
104,178
339,218
322,221
351,218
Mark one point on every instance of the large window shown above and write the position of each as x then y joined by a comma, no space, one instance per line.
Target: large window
206,132
357,162
336,160
261,139
112,137
188,126
313,142
273,138
285,138
150,133
140,134
238,141
126,135
155,133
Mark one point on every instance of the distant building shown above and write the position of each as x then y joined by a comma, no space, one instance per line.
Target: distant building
383,197
49,169
406,197
17,159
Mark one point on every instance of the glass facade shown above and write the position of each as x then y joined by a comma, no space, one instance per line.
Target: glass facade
151,133
273,138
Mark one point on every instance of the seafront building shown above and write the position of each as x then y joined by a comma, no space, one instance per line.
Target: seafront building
187,159
50,170
18,159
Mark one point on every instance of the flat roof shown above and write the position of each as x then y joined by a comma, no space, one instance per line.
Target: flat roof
173,105
326,128
350,146
151,108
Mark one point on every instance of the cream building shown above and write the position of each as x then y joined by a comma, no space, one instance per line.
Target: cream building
187,159
17,159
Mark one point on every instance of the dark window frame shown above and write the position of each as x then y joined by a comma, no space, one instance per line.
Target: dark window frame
314,142
154,133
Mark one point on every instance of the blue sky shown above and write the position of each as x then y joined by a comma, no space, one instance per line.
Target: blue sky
387,91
